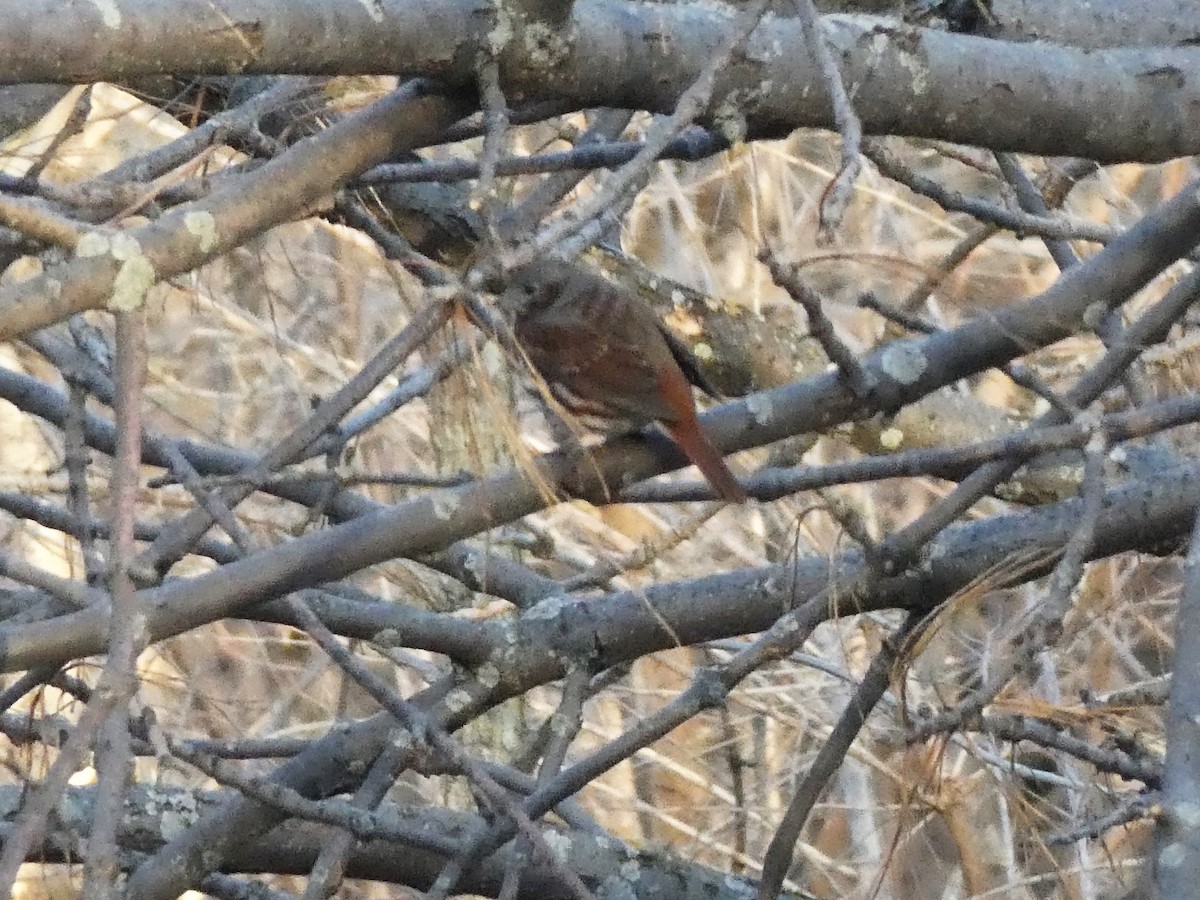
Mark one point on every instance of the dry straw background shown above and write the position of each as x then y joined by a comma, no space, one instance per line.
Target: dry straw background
239,349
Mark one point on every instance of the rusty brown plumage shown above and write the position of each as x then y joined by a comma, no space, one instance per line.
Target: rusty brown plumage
607,358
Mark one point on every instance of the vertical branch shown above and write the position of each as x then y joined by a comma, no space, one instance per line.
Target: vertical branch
495,124
731,747
564,726
75,455
837,195
1177,842
128,635
108,706
27,828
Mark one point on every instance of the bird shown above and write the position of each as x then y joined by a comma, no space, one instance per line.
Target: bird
608,359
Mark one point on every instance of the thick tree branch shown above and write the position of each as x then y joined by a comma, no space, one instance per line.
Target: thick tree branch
1148,515
902,372
123,266
905,80
293,848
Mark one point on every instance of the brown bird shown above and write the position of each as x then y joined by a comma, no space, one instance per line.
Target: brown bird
607,358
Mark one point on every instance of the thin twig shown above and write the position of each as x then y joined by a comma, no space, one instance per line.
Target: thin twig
1045,622
27,682
837,195
325,877
569,233
1032,201
778,857
68,590
76,457
586,156
564,725
392,245
427,730
1061,227
1114,761
858,379
1141,806
495,126
176,540
74,124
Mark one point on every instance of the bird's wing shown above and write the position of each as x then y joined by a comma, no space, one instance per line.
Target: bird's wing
687,361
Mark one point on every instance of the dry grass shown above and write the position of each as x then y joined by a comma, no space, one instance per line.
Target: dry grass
239,349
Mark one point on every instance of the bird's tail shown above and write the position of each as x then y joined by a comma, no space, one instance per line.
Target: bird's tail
692,440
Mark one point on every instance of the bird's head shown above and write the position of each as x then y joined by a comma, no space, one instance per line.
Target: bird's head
536,285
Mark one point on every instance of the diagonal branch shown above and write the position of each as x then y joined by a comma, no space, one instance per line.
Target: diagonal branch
122,266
